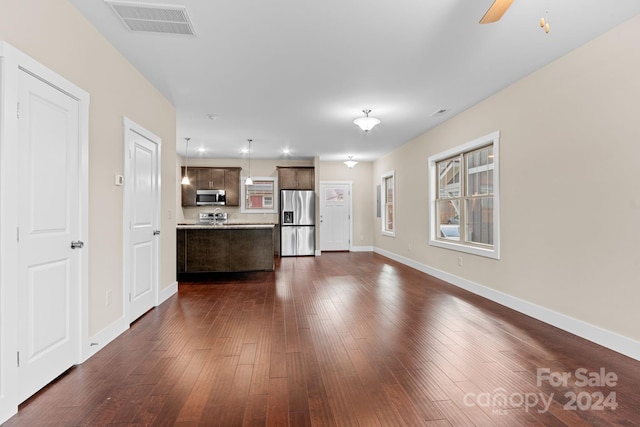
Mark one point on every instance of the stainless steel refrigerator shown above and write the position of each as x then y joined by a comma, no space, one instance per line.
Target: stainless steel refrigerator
297,222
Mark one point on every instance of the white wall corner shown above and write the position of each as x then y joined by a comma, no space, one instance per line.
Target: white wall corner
98,341
167,292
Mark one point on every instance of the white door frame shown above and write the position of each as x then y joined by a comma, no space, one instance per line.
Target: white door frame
350,184
11,62
130,130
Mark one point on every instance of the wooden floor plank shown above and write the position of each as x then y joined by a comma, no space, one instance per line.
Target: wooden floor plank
345,339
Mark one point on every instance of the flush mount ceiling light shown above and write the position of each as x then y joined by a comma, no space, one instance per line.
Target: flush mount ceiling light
366,123
249,181
350,163
185,178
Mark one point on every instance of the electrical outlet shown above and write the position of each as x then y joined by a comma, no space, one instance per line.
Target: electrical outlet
460,261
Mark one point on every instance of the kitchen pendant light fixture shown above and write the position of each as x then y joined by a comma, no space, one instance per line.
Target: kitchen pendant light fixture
350,163
249,181
185,178
366,123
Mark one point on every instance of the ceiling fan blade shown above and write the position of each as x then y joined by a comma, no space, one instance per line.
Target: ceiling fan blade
495,12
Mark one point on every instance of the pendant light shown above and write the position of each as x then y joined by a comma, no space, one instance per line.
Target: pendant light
249,181
350,163
544,23
366,123
185,178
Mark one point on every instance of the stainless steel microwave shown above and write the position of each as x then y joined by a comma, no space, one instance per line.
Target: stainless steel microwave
210,197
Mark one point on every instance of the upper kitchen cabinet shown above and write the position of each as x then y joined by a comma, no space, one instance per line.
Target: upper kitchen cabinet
296,178
201,178
232,186
210,179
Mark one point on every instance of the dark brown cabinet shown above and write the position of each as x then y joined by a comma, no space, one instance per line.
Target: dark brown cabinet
214,250
296,178
232,186
201,178
210,179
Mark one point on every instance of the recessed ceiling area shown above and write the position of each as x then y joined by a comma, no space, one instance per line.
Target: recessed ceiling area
294,75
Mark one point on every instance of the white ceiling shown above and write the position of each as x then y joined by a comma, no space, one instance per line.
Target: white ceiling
295,73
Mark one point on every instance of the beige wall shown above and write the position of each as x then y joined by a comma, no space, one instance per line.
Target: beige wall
570,192
55,34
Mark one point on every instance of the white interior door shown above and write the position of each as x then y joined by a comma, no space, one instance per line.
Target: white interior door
49,221
142,214
335,216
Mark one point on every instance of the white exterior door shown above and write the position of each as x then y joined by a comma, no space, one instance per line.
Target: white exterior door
49,269
142,215
335,216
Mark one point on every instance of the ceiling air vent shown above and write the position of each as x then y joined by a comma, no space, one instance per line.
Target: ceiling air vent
153,18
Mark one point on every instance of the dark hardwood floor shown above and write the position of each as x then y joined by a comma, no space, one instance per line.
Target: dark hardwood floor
349,339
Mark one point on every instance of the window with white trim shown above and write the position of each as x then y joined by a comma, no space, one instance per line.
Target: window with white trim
261,196
388,203
464,198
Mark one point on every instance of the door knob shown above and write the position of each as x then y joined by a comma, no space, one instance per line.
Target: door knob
77,244
156,232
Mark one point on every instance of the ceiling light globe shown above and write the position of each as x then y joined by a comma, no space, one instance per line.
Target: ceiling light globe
350,163
367,123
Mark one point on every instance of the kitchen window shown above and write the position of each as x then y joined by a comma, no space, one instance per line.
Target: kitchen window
464,198
261,196
388,201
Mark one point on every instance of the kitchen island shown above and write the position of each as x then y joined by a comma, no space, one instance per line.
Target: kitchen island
224,248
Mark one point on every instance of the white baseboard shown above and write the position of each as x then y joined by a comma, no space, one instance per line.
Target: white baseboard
354,249
167,292
361,249
593,333
113,331
104,337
